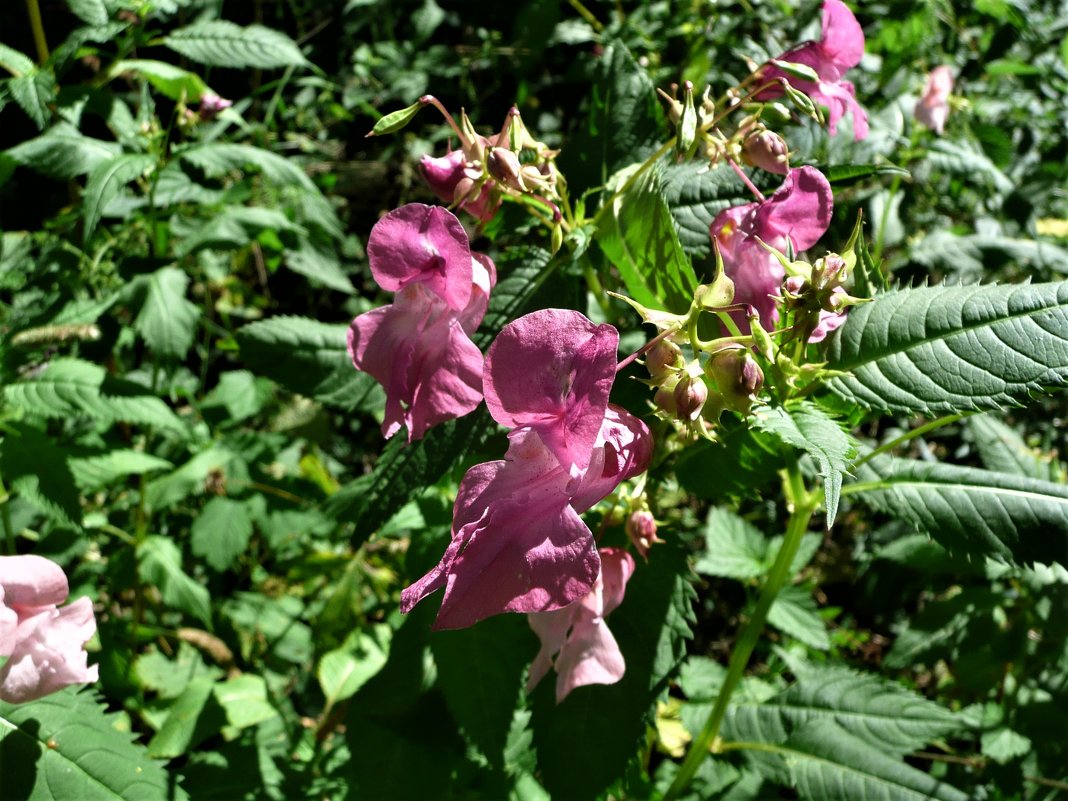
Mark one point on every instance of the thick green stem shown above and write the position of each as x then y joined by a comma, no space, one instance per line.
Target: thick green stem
804,503
37,25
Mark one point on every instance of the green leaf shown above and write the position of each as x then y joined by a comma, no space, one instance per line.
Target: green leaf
1003,745
105,181
63,152
796,613
321,265
1003,450
847,174
177,733
65,746
966,159
826,762
220,533
637,234
169,80
191,477
160,563
218,43
938,350
240,393
219,158
94,472
734,548
70,387
166,319
976,512
245,700
742,462
808,428
91,12
35,467
345,670
695,195
480,672
974,255
34,91
15,62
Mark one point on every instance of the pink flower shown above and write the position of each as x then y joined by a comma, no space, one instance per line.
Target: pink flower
933,108
44,645
211,104
518,543
454,179
796,216
418,347
577,635
840,48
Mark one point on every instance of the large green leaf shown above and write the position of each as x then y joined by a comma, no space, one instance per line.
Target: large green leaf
638,235
91,12
160,563
63,152
219,43
64,746
169,80
808,428
1002,449
70,387
977,512
105,181
936,350
735,548
37,469
220,533
93,472
219,158
166,319
882,713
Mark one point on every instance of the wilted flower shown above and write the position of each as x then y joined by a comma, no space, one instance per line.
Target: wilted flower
840,48
578,636
44,645
418,347
518,543
933,108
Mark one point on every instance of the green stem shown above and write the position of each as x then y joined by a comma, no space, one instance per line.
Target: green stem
916,432
9,530
804,504
587,15
37,25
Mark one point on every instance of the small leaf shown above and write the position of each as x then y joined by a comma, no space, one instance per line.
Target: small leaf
796,613
219,158
1003,745
94,472
176,735
734,548
218,43
695,196
166,319
1003,450
220,533
345,670
34,91
245,701
396,120
91,12
160,563
105,181
15,62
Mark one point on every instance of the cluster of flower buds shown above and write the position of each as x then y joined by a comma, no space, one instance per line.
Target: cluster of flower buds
641,528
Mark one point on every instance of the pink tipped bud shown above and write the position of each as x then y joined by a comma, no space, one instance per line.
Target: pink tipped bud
794,284
641,528
663,359
505,167
768,151
690,396
443,174
738,377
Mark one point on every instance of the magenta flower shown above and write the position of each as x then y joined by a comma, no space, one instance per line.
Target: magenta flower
933,108
44,645
840,48
455,179
795,217
577,635
211,104
418,347
518,543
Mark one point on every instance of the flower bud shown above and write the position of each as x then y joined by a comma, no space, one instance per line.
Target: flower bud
794,285
211,104
504,165
716,295
442,174
641,528
738,377
690,394
768,151
663,359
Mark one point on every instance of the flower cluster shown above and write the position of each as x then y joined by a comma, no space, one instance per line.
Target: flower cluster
839,49
419,346
44,645
577,636
518,543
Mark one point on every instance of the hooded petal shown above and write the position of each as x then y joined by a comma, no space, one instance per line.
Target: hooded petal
843,38
32,581
484,278
49,654
623,449
422,244
800,209
551,628
9,623
443,173
617,566
552,370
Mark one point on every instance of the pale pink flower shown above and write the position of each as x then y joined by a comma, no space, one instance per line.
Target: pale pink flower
518,543
840,48
577,635
419,346
44,645
933,108
211,104
795,217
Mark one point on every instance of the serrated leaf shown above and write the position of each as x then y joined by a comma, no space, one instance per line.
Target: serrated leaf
166,319
976,512
695,197
825,762
1003,450
220,533
63,152
15,62
734,548
34,91
169,80
91,12
219,43
808,428
973,255
846,174
93,472
65,746
966,159
190,478
160,563
1003,745
638,235
345,670
35,467
796,613
70,387
245,700
219,158
321,265
939,350
105,181
176,735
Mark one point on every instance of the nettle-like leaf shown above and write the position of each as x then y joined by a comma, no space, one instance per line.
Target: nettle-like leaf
695,195
220,533
938,350
91,12
1002,449
796,613
169,80
808,428
217,159
93,472
71,387
345,670
735,548
882,713
38,470
166,319
638,235
34,91
975,253
180,729
65,746
219,43
976,512
105,181
63,152
160,563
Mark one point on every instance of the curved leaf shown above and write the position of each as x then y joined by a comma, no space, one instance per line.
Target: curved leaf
105,181
63,152
218,43
936,350
169,80
218,158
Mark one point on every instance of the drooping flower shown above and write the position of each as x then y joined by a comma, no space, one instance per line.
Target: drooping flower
578,637
44,645
418,347
457,177
518,543
840,48
932,109
795,217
